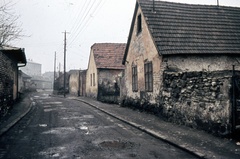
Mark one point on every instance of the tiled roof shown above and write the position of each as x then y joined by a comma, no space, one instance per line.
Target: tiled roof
193,29
109,55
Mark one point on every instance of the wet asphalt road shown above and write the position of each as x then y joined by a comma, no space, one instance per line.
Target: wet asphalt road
63,128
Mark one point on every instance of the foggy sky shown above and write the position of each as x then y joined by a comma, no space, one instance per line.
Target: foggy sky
87,21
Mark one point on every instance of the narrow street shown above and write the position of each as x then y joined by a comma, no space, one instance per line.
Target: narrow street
64,128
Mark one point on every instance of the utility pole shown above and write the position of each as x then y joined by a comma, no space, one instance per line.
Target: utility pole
64,68
64,72
54,74
59,69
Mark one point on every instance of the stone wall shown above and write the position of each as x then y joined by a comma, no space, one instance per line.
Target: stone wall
109,85
7,80
198,99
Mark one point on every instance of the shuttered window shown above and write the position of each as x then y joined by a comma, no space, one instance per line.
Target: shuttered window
91,79
148,74
134,79
94,79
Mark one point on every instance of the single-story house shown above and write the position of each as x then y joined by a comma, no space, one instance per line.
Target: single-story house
77,82
179,64
104,71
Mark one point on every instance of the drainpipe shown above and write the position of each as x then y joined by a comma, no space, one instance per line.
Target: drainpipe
18,79
233,100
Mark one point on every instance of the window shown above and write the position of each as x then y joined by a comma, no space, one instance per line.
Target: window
91,79
139,24
148,73
134,79
94,79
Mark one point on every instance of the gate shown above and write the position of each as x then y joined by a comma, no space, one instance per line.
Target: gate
235,101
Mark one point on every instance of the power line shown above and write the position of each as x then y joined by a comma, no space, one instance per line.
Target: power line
84,16
77,20
85,24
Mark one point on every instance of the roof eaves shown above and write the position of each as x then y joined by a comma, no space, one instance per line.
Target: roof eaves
130,32
20,56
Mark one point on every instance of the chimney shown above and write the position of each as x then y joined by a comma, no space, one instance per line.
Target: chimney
218,3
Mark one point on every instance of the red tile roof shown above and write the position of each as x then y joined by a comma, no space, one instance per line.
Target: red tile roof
109,55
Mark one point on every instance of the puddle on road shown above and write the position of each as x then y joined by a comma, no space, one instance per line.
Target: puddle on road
88,116
116,144
53,152
83,127
53,103
48,110
47,106
42,125
80,117
71,118
60,131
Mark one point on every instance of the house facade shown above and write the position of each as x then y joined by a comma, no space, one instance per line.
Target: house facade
104,71
179,63
59,84
11,59
24,82
32,69
74,82
77,82
82,83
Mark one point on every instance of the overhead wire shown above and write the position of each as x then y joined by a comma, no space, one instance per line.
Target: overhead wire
84,16
82,20
86,23
80,15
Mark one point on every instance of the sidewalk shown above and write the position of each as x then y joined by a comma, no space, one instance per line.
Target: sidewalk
197,142
16,113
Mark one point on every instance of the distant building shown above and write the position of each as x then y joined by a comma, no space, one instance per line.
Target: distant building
59,84
24,82
77,82
74,82
104,71
32,69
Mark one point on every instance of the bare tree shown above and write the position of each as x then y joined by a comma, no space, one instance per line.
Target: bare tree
9,28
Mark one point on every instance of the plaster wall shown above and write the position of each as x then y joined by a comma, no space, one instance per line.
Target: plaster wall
74,83
186,63
91,89
142,49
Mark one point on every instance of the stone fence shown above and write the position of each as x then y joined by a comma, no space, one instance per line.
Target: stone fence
198,99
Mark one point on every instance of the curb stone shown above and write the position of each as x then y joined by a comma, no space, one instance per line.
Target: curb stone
15,121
